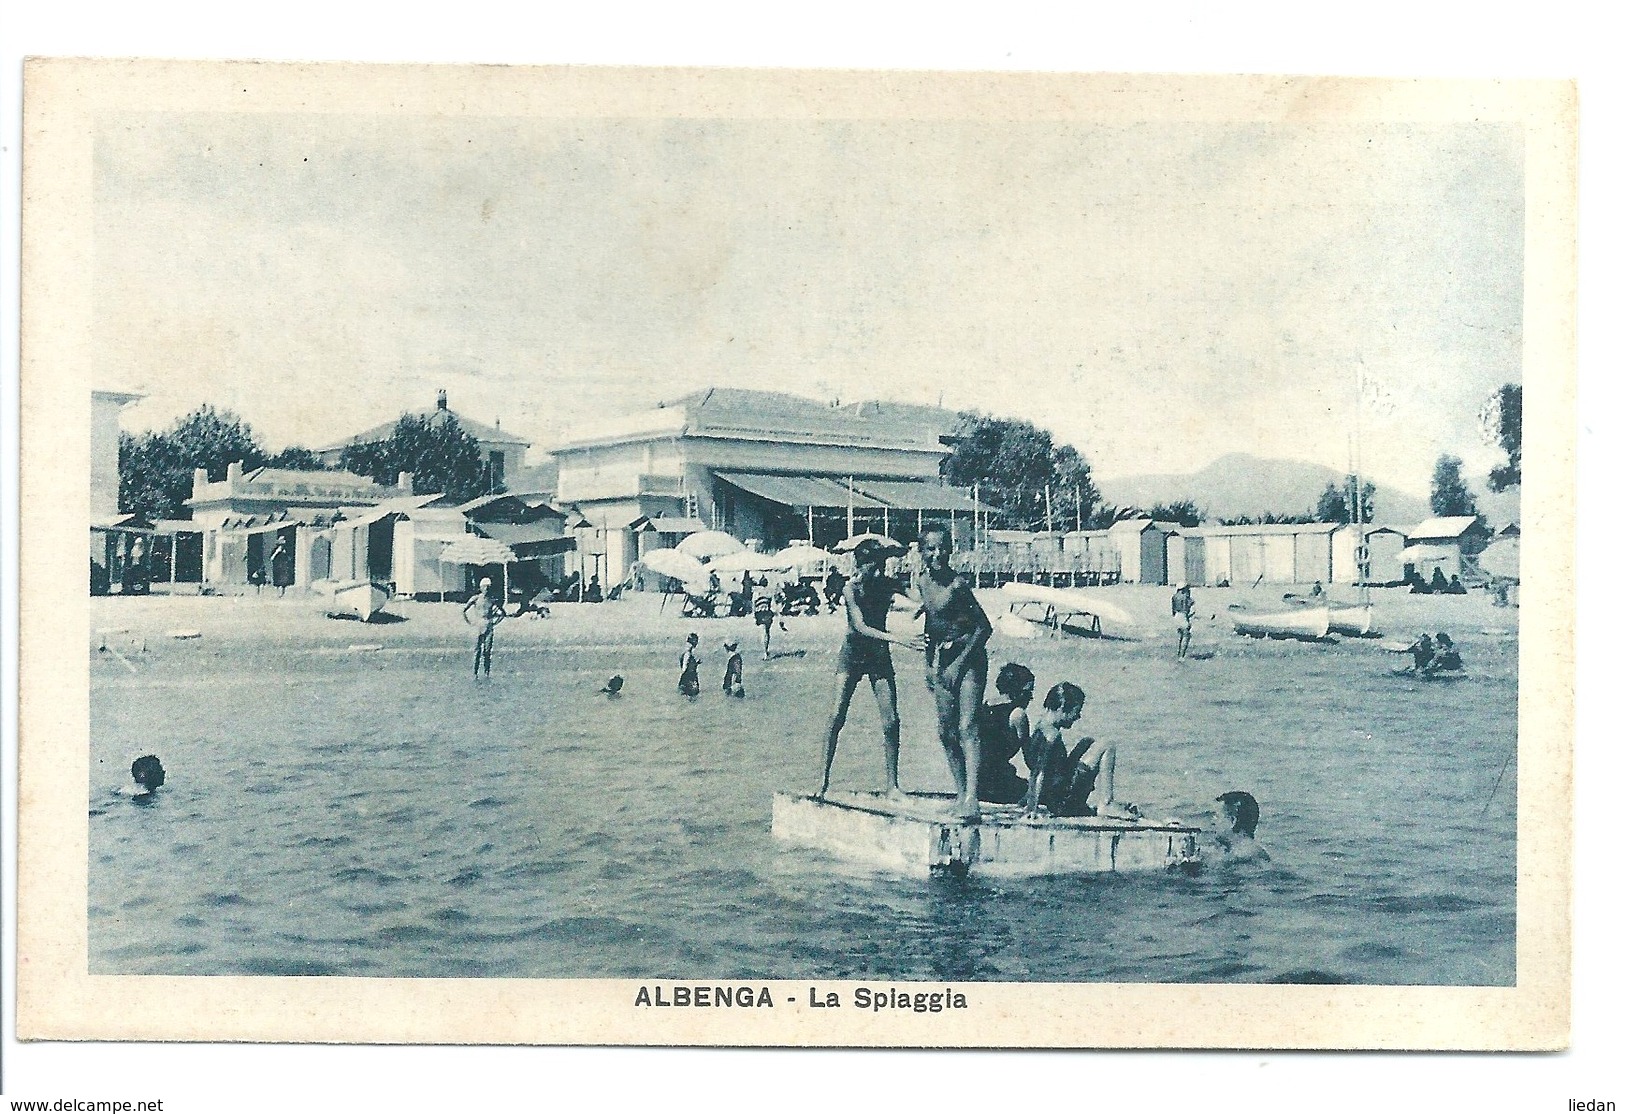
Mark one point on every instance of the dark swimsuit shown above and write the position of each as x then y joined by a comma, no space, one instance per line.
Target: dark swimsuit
997,781
861,655
949,631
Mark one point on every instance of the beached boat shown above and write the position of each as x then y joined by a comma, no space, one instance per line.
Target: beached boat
357,599
1353,619
1302,622
918,836
1070,610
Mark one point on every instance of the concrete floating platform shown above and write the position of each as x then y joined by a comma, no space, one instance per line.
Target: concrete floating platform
918,836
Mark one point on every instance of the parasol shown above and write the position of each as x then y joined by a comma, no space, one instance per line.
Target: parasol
471,549
746,561
709,543
803,556
675,564
851,544
1501,559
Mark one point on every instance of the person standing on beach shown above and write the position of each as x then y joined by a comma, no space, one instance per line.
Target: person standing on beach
281,567
733,674
1184,610
688,680
956,634
865,653
488,613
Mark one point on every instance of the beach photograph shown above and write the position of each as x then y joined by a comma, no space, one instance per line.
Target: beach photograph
677,539
681,349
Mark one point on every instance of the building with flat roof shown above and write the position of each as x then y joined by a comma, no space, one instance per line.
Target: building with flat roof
761,465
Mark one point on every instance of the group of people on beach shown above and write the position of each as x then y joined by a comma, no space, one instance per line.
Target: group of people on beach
978,741
1434,654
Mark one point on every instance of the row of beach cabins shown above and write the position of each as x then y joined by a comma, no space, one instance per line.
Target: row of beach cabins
1142,551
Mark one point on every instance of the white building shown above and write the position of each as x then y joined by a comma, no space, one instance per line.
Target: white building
760,465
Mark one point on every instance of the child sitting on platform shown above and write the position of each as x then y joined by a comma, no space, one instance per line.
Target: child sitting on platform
1062,782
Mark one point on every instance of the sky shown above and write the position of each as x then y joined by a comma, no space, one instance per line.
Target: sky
1157,294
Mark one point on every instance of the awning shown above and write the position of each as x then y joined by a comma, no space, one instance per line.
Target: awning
677,525
917,495
116,522
527,539
474,550
403,505
800,491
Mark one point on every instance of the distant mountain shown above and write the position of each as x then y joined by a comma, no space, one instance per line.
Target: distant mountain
1238,484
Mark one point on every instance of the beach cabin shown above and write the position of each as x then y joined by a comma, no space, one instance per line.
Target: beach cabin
1449,544
1383,547
1270,553
533,529
1142,548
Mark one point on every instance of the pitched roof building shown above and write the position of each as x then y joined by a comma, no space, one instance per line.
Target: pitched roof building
502,450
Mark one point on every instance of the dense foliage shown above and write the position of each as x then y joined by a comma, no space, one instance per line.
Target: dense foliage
1335,502
1509,420
1031,482
155,469
1450,496
439,454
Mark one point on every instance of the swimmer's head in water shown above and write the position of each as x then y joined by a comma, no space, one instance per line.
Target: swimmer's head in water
1241,809
614,684
1015,681
1065,698
148,772
1442,639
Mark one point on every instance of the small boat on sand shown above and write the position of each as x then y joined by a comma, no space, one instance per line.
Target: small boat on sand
1067,610
356,599
1311,623
1353,619
917,835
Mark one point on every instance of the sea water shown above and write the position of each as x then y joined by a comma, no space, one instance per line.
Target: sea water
382,814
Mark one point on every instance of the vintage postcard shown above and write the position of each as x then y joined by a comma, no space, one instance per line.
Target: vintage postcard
795,558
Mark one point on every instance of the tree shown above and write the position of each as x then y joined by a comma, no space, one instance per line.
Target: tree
1509,433
1182,511
1269,518
1334,502
1450,496
295,458
155,469
1012,462
440,456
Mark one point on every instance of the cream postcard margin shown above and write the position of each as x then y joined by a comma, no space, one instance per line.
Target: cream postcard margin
58,999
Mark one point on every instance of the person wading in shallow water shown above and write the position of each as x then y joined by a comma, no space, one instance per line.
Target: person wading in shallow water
865,653
956,634
488,611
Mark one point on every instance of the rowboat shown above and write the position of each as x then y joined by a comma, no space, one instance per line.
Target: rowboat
1066,609
357,599
1353,619
917,836
1303,622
